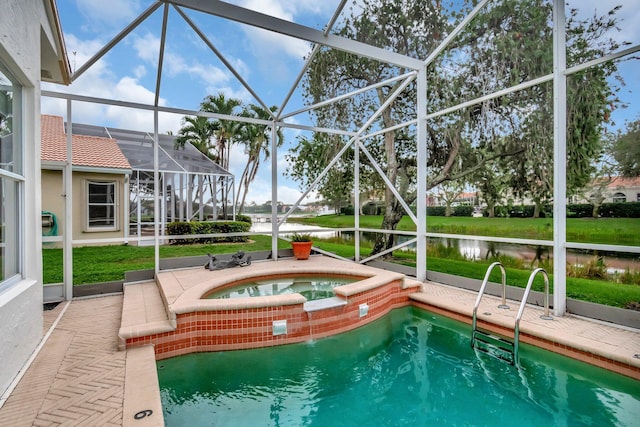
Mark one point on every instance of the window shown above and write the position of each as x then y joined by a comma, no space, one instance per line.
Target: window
638,197
101,206
619,198
11,180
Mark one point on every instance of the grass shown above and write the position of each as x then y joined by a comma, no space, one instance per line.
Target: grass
613,231
109,263
95,264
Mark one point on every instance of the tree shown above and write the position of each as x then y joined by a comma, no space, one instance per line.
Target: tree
508,44
198,132
310,156
256,139
626,149
212,137
449,194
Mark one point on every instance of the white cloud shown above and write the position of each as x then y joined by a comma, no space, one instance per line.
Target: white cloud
100,81
175,65
111,13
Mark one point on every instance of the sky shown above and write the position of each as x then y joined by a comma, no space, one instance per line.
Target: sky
269,62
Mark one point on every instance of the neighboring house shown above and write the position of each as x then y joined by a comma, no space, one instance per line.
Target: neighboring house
615,189
100,183
623,190
31,51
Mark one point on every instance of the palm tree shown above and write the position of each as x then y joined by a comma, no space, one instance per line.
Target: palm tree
198,132
256,139
225,133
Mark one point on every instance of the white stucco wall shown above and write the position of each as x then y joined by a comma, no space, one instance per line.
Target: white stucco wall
21,28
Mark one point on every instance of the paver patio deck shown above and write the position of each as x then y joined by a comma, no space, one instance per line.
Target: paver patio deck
80,378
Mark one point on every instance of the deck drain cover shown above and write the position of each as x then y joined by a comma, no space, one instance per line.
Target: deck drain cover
486,313
636,356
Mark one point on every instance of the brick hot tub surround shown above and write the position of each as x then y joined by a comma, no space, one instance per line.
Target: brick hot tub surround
197,324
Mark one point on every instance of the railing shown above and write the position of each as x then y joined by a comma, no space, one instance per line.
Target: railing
503,344
545,316
481,292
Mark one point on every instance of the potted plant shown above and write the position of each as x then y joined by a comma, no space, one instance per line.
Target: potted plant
301,245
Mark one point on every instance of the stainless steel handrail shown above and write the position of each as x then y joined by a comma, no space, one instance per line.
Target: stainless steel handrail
481,292
546,316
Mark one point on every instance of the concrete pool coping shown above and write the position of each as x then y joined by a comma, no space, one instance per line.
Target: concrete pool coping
134,387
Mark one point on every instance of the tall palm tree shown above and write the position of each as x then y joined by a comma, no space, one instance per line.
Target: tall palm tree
256,139
225,133
197,131
212,137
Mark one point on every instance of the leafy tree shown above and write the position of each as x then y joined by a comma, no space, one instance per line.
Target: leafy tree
509,43
626,149
310,156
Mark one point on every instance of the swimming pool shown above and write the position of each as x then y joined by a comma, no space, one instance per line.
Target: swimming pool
310,287
409,368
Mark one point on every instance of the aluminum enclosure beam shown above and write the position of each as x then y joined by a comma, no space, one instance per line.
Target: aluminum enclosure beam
559,160
287,28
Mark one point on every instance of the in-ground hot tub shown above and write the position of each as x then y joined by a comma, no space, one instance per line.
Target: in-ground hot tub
202,324
312,287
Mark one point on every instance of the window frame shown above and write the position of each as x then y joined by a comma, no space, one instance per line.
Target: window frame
618,197
88,204
12,215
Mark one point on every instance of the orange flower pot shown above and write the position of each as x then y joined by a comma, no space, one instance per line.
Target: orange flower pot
301,250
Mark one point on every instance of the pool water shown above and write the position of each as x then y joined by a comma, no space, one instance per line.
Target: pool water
311,288
411,368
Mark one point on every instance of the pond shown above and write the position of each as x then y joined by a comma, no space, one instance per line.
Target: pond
478,249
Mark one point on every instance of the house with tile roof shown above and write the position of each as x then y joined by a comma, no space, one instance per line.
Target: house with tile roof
621,189
100,186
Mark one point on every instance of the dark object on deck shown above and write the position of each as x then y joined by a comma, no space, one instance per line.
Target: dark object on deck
237,260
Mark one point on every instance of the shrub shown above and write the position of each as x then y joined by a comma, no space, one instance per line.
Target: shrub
463,211
582,210
239,217
208,227
620,210
436,210
373,208
297,237
348,210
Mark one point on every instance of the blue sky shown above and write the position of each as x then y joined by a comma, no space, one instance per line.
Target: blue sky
267,61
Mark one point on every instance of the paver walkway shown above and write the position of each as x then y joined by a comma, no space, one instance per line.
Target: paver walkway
78,377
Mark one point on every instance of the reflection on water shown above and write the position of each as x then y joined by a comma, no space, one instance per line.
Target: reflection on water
476,249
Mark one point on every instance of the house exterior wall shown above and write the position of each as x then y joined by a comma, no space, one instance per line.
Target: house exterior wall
23,25
631,192
53,201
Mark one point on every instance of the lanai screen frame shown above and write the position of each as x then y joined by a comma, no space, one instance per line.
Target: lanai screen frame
418,73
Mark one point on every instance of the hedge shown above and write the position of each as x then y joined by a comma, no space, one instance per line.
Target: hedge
348,210
209,227
239,217
585,210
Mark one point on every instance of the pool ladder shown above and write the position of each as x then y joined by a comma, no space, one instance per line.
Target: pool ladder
502,347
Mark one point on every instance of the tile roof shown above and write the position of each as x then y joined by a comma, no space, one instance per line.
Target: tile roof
88,151
619,181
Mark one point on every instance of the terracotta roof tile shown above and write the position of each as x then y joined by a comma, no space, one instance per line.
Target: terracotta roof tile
87,150
619,181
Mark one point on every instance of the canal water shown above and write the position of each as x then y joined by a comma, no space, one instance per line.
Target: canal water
473,249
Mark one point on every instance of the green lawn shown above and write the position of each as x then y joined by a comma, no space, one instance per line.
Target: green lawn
108,263
614,231
94,264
